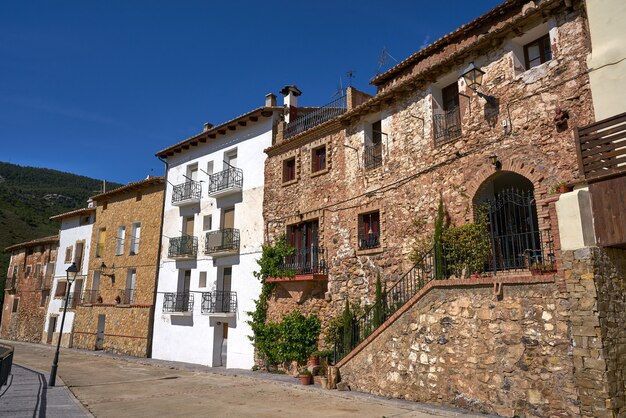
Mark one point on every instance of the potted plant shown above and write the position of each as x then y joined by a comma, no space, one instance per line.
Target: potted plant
314,359
560,187
305,376
322,376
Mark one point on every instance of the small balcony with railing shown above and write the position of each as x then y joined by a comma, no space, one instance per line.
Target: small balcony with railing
183,248
222,242
320,115
308,263
369,241
43,281
219,303
11,284
226,182
447,126
178,303
187,193
71,301
125,297
373,156
90,297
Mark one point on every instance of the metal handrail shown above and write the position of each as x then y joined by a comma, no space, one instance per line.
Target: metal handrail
329,111
373,156
230,178
222,240
186,191
447,125
307,260
219,301
89,297
186,245
178,302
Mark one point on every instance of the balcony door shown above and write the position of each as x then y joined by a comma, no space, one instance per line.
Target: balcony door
228,218
304,238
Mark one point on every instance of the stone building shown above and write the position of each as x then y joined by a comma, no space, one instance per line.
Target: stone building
75,231
116,306
27,288
213,232
482,117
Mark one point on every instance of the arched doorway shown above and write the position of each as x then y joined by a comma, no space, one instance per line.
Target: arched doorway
508,201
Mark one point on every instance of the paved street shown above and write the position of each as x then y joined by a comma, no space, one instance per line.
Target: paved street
114,386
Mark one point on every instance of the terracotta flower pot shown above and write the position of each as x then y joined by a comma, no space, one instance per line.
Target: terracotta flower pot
314,361
305,379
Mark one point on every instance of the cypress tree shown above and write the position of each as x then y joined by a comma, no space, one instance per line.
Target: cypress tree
378,304
347,328
438,247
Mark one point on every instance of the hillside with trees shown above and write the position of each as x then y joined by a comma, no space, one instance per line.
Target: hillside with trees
29,196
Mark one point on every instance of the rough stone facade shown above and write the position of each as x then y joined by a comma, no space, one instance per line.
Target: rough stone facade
127,322
29,288
596,285
463,346
414,169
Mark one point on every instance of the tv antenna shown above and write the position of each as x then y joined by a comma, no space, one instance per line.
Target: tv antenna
351,76
382,60
339,91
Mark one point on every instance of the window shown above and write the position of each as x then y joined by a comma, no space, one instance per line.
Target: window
289,169
446,120
369,230
121,236
16,302
134,239
192,172
59,292
537,52
37,269
209,168
15,270
318,159
78,256
131,275
28,269
68,255
44,297
202,280
84,220
373,154
207,223
102,234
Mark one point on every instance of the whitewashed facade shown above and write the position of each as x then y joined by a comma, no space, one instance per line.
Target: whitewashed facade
74,245
212,236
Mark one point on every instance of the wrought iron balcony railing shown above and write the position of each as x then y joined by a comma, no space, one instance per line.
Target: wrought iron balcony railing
369,241
185,246
373,156
333,109
222,240
89,297
447,126
10,283
229,179
308,260
187,192
71,301
219,302
178,302
126,296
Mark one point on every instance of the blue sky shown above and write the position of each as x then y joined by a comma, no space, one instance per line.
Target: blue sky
97,87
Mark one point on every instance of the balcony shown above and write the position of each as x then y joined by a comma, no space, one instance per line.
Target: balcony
222,242
71,301
183,248
219,303
43,281
186,193
10,283
373,156
369,241
178,303
304,123
226,182
90,297
447,126
126,297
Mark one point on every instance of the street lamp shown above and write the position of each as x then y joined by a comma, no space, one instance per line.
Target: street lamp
71,276
473,77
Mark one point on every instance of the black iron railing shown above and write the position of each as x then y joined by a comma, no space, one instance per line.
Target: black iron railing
126,296
230,178
89,297
71,301
535,254
308,260
177,302
226,239
6,363
373,156
186,191
369,241
304,123
10,283
185,246
219,301
447,126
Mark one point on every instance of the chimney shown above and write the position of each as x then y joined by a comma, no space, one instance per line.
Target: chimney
207,126
291,94
270,100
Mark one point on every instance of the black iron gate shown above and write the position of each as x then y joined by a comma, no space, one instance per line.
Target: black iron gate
514,230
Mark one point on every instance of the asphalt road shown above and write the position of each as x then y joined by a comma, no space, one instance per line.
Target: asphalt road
119,386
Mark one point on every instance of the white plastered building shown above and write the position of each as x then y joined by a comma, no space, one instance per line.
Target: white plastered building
74,245
213,233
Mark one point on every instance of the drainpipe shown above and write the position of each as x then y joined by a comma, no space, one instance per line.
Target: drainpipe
158,265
